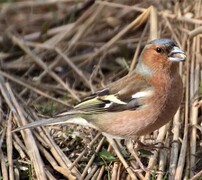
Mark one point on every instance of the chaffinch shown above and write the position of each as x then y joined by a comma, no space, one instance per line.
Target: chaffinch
137,104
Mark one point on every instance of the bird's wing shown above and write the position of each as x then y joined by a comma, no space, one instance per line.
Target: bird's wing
126,94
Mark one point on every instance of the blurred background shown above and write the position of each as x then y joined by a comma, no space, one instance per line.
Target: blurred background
53,53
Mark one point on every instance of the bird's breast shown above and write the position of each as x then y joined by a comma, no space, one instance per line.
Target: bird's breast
162,106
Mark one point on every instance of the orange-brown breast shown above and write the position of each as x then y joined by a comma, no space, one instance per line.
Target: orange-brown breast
161,108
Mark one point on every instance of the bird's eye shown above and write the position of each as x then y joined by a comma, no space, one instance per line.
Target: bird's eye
159,50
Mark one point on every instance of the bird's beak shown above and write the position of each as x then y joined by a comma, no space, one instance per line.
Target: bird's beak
176,55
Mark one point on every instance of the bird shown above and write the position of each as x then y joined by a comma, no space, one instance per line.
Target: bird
138,103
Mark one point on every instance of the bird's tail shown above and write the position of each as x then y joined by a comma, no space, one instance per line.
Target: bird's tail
68,117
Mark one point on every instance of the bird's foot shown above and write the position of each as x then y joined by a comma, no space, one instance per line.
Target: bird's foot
154,146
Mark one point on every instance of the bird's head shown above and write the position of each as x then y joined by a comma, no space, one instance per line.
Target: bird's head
160,55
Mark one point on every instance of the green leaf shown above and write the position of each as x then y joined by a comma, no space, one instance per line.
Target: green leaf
145,153
107,155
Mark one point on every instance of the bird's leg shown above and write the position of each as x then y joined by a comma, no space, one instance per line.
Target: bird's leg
118,153
153,146
134,153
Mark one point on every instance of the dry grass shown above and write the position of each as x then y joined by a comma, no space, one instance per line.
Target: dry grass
53,53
